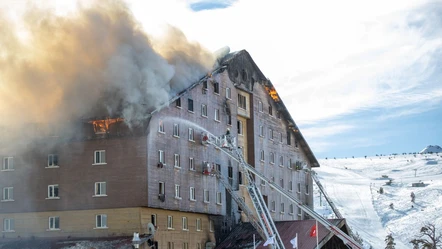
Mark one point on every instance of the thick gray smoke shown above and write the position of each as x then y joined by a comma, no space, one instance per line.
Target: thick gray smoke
95,62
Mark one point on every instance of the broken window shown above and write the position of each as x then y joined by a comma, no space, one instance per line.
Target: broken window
178,103
216,87
288,138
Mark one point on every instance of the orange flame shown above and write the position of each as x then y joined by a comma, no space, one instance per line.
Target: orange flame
272,92
102,126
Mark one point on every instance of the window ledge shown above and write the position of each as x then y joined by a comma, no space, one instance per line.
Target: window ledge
282,166
186,230
178,198
207,202
9,231
179,107
291,213
177,167
192,170
7,200
99,228
99,163
52,198
218,121
99,196
6,170
190,111
220,204
52,167
192,140
194,200
162,132
203,116
170,228
52,230
273,211
175,136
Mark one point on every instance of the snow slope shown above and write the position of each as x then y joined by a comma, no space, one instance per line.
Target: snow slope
431,149
353,184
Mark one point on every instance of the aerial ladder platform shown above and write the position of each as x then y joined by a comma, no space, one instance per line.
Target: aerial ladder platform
263,221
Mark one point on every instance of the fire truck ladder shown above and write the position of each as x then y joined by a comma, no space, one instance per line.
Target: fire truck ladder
263,222
330,202
227,147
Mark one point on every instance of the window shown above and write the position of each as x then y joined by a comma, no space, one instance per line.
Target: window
219,198
229,120
288,138
178,103
177,191
291,209
100,189
191,135
100,157
299,212
161,126
203,110
270,134
290,186
198,224
228,93
306,189
242,101
281,161
161,188
153,219
270,110
169,222
101,221
262,157
278,114
176,160
52,160
185,245
296,143
299,187
230,172
185,226
289,163
53,191
261,131
191,164
273,206
198,246
216,87
170,245
211,226
206,196
272,158
281,182
8,163
240,128
192,194
8,194
54,223
8,225
260,109
282,208
161,157
190,105
280,137
176,130
217,115
239,177
218,168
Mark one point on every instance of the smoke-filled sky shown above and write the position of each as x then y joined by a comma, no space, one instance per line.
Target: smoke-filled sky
92,61
359,78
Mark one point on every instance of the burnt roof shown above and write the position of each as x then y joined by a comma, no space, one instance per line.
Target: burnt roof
242,235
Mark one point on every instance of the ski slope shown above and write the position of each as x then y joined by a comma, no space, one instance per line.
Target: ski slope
353,184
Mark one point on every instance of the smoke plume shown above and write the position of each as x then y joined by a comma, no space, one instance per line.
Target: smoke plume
94,62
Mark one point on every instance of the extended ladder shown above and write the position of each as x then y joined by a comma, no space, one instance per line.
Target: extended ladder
330,202
263,221
227,147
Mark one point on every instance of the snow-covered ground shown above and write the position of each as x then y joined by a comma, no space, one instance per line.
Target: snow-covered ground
353,184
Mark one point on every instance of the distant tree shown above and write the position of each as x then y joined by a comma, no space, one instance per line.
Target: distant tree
365,157
389,241
381,190
413,197
428,238
392,205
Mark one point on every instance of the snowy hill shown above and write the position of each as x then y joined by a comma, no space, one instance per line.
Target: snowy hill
431,149
353,184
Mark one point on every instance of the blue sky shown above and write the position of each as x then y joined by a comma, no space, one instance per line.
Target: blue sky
358,77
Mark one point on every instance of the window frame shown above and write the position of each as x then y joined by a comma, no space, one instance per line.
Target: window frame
191,135
161,188
53,191
99,157
272,158
100,189
178,103
9,193
176,130
192,164
170,222
192,196
199,225
228,93
8,225
161,128
260,106
261,131
216,88
219,197
177,191
53,221
8,163
185,224
262,156
273,206
177,160
242,101
51,158
161,157
204,110
217,116
190,107
101,218
206,196
240,127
